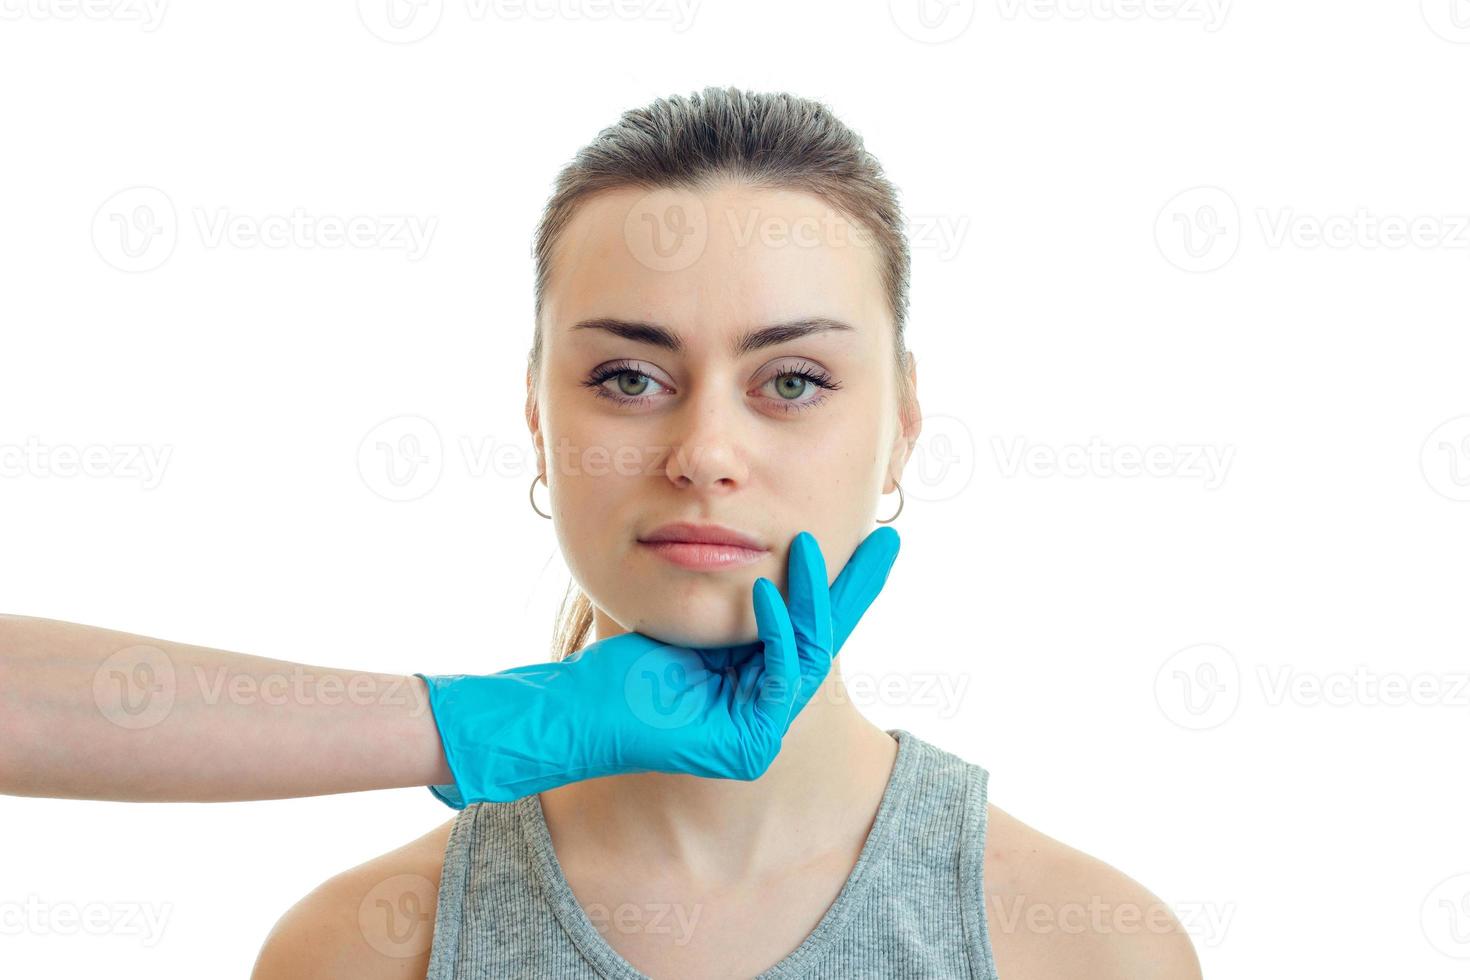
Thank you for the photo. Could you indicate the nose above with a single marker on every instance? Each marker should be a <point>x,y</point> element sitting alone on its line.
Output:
<point>708,445</point>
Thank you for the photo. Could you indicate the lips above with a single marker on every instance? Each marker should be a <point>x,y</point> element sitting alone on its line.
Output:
<point>687,533</point>
<point>704,547</point>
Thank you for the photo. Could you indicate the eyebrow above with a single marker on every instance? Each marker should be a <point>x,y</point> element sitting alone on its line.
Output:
<point>768,336</point>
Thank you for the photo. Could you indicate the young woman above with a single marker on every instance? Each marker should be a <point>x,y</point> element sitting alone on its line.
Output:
<point>719,361</point>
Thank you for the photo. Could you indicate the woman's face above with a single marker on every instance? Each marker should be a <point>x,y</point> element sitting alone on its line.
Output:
<point>697,428</point>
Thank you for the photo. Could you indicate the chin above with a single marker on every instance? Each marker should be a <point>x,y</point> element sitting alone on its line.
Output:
<point>699,621</point>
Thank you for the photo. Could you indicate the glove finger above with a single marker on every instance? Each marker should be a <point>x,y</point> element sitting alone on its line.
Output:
<point>809,601</point>
<point>861,580</point>
<point>780,672</point>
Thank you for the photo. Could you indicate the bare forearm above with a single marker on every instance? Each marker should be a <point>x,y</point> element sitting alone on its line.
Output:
<point>92,713</point>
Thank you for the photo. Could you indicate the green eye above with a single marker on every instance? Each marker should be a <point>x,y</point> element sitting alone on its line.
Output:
<point>794,387</point>
<point>640,382</point>
<point>797,382</point>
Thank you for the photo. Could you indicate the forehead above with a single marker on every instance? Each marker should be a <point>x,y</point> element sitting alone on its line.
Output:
<point>715,260</point>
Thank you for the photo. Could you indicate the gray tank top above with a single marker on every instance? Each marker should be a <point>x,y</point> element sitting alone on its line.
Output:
<point>912,907</point>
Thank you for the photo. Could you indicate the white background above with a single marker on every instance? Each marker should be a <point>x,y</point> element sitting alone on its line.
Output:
<point>1048,159</point>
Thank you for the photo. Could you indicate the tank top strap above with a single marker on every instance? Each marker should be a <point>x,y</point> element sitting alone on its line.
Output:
<point>972,869</point>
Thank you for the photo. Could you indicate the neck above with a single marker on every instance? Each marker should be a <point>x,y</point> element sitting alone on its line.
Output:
<point>820,794</point>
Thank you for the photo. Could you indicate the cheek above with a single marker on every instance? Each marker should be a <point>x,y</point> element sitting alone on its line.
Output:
<point>591,508</point>
<point>598,493</point>
<point>830,487</point>
<point>834,466</point>
<point>586,441</point>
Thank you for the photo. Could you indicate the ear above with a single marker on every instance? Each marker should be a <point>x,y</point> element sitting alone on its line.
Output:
<point>910,424</point>
<point>533,422</point>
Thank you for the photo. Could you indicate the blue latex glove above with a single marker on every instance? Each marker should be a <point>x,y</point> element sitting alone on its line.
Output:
<point>633,704</point>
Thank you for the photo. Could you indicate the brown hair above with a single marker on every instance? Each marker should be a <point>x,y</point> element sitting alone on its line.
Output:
<point>772,140</point>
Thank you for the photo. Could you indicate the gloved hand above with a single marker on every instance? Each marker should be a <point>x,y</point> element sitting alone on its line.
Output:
<point>633,704</point>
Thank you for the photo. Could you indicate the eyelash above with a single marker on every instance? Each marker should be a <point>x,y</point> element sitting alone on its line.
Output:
<point>597,382</point>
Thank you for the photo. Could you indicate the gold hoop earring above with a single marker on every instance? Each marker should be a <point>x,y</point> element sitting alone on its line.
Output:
<point>533,496</point>
<point>900,504</point>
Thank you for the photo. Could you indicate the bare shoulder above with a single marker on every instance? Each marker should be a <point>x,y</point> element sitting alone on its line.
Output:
<point>1055,912</point>
<point>372,921</point>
